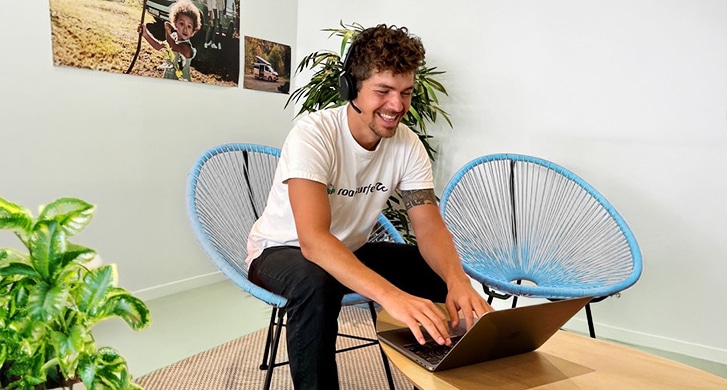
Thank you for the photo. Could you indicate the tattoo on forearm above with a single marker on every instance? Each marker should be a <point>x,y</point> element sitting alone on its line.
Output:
<point>416,197</point>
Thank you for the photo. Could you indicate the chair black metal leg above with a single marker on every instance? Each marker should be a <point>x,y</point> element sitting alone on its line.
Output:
<point>384,359</point>
<point>272,342</point>
<point>591,328</point>
<point>274,350</point>
<point>268,340</point>
<point>491,294</point>
<point>514,297</point>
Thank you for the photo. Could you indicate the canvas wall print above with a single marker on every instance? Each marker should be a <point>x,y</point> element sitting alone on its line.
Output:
<point>267,66</point>
<point>180,40</point>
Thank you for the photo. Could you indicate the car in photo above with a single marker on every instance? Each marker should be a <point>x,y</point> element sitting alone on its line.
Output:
<point>263,70</point>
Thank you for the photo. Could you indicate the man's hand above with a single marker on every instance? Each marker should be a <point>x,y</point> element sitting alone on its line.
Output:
<point>462,297</point>
<point>414,311</point>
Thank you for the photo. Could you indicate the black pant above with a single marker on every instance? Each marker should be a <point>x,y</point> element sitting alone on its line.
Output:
<point>314,301</point>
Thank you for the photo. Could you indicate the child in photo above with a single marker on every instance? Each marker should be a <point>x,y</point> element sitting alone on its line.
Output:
<point>184,22</point>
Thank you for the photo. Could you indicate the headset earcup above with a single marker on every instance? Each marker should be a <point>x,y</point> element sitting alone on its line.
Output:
<point>346,86</point>
<point>346,82</point>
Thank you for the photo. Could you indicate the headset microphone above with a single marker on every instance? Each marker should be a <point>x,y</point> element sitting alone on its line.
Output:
<point>358,110</point>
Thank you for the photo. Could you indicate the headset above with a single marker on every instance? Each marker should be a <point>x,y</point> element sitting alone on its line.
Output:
<point>346,81</point>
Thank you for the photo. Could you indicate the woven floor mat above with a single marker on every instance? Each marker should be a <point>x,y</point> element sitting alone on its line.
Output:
<point>235,364</point>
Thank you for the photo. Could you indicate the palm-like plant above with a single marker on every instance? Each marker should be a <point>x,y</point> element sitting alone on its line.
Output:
<point>322,92</point>
<point>50,300</point>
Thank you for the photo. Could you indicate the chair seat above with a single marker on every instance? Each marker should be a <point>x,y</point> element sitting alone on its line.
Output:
<point>545,281</point>
<point>354,299</point>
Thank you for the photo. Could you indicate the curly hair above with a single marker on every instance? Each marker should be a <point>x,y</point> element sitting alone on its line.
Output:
<point>383,48</point>
<point>187,8</point>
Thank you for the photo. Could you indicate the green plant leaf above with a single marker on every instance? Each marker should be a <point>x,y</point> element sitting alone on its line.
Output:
<point>19,269</point>
<point>75,254</point>
<point>417,118</point>
<point>32,331</point>
<point>15,218</point>
<point>347,36</point>
<point>27,353</point>
<point>72,214</point>
<point>94,289</point>
<point>3,352</point>
<point>69,346</point>
<point>16,299</point>
<point>109,371</point>
<point>10,255</point>
<point>47,243</point>
<point>87,370</point>
<point>130,309</point>
<point>27,381</point>
<point>46,302</point>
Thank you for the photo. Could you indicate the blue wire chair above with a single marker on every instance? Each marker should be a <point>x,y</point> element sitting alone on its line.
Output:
<point>524,226</point>
<point>227,191</point>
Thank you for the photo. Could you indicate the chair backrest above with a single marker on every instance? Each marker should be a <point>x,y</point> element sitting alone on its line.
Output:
<point>227,191</point>
<point>517,217</point>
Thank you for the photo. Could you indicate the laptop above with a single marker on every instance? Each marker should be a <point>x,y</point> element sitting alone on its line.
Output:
<point>495,335</point>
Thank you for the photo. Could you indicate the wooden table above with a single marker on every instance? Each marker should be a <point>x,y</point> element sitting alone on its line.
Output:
<point>566,361</point>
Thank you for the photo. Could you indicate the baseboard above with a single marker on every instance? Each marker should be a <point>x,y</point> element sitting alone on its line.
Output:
<point>627,336</point>
<point>178,286</point>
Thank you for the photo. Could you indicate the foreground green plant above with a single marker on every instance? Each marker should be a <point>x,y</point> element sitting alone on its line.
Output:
<point>50,300</point>
<point>321,92</point>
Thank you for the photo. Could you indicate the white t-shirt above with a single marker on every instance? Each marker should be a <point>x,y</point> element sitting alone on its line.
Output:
<point>321,148</point>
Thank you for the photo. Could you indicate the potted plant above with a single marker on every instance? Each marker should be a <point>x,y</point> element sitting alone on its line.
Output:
<point>50,299</point>
<point>322,92</point>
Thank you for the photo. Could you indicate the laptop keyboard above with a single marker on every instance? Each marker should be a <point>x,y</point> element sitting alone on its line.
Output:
<point>431,351</point>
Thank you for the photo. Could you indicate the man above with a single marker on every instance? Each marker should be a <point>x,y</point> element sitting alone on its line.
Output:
<point>337,169</point>
<point>214,11</point>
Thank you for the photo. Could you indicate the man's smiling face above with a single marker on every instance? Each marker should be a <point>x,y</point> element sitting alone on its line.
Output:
<point>384,99</point>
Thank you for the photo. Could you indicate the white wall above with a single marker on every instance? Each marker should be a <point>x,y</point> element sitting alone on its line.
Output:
<point>125,143</point>
<point>630,95</point>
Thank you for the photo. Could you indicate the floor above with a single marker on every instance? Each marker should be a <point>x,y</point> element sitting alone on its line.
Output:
<point>196,320</point>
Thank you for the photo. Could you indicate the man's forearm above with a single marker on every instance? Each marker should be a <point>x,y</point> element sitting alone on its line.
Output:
<point>438,250</point>
<point>330,254</point>
<point>434,240</point>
